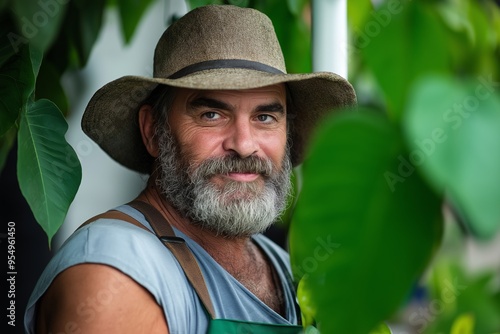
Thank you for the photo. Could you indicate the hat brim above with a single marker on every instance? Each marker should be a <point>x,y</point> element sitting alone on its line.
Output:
<point>111,117</point>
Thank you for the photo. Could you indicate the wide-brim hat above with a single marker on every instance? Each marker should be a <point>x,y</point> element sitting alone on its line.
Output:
<point>215,47</point>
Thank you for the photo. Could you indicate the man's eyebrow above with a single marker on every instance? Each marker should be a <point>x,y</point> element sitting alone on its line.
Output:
<point>271,107</point>
<point>210,103</point>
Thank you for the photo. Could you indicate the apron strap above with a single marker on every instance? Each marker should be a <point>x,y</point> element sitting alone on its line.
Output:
<point>175,244</point>
<point>180,250</point>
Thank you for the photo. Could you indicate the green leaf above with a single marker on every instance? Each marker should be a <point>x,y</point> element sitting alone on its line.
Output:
<point>79,32</point>
<point>36,57</point>
<point>39,21</point>
<point>399,44</point>
<point>307,306</point>
<point>359,241</point>
<point>48,168</point>
<point>17,81</point>
<point>131,12</point>
<point>48,86</point>
<point>472,37</point>
<point>464,324</point>
<point>85,22</point>
<point>311,330</point>
<point>453,130</point>
<point>382,328</point>
<point>358,13</point>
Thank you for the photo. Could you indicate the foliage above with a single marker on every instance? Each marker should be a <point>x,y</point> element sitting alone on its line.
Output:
<point>426,134</point>
<point>357,226</point>
<point>42,149</point>
<point>48,168</point>
<point>455,141</point>
<point>39,41</point>
<point>461,302</point>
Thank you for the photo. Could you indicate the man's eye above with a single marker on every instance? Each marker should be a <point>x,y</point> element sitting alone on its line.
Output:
<point>265,118</point>
<point>210,115</point>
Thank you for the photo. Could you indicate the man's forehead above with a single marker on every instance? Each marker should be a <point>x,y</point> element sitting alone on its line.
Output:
<point>277,91</point>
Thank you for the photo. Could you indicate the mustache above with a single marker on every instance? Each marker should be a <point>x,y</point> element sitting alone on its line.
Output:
<point>234,164</point>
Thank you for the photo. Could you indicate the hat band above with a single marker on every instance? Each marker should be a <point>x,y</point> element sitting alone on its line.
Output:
<point>224,63</point>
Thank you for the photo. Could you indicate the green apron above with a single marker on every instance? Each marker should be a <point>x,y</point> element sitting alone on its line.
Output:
<point>226,326</point>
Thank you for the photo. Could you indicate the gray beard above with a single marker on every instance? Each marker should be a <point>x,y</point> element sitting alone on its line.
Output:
<point>234,209</point>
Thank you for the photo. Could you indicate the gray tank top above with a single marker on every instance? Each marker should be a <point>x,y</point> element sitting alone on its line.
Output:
<point>141,255</point>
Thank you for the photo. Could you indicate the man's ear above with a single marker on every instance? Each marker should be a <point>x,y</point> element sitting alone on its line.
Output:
<point>147,127</point>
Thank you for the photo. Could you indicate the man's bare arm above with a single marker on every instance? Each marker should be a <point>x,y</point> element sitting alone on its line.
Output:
<point>94,298</point>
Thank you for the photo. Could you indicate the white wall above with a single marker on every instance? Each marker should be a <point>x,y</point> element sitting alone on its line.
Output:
<point>105,183</point>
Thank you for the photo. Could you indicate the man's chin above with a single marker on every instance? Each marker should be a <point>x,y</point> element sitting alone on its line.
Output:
<point>229,231</point>
<point>241,191</point>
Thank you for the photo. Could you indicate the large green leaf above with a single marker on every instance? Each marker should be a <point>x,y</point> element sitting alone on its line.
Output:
<point>358,240</point>
<point>131,12</point>
<point>399,44</point>
<point>453,129</point>
<point>17,81</point>
<point>39,21</point>
<point>48,169</point>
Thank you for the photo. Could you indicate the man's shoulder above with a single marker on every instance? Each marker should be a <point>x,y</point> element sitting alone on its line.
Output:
<point>103,294</point>
<point>115,241</point>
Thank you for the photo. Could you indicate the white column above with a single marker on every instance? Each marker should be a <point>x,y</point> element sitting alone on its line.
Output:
<point>329,36</point>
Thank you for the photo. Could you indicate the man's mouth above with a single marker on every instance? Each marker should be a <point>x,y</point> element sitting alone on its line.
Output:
<point>242,176</point>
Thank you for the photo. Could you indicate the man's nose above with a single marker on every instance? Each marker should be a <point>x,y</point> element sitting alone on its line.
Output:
<point>241,139</point>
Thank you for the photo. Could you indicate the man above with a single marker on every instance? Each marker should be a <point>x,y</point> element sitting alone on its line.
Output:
<point>218,128</point>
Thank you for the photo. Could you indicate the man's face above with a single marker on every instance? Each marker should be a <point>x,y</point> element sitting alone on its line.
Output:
<point>224,158</point>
